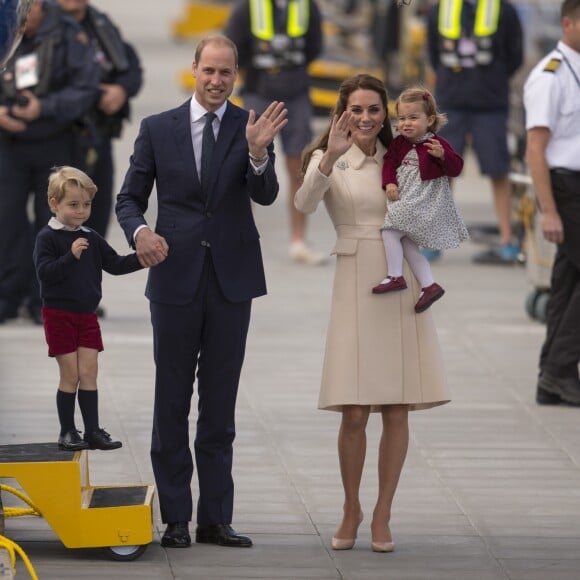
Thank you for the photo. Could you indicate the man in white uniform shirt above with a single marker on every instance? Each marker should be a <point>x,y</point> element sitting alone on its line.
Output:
<point>551,99</point>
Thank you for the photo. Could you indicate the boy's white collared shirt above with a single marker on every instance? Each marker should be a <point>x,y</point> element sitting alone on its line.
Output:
<point>56,225</point>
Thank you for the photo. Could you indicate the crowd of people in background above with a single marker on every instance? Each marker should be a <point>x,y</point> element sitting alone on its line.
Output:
<point>85,101</point>
<point>64,96</point>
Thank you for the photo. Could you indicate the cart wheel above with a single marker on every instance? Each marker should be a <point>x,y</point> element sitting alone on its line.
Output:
<point>125,553</point>
<point>531,300</point>
<point>541,307</point>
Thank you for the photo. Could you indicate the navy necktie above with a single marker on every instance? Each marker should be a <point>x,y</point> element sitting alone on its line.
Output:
<point>207,147</point>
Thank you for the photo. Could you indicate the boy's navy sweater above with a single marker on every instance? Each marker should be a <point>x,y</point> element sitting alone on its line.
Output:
<point>70,284</point>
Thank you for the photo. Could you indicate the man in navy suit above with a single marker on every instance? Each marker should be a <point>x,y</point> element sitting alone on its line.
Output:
<point>207,268</point>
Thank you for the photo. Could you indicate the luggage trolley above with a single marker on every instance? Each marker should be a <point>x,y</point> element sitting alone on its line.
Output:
<point>541,23</point>
<point>539,252</point>
<point>117,518</point>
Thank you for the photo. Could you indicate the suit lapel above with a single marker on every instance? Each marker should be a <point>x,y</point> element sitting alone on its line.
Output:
<point>182,136</point>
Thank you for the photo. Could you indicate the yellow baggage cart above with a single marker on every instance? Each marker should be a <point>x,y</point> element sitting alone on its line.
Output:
<point>56,483</point>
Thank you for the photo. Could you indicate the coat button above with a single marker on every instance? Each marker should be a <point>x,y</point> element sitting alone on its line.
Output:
<point>209,214</point>
<point>205,244</point>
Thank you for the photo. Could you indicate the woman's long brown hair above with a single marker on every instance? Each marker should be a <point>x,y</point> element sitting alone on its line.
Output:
<point>361,81</point>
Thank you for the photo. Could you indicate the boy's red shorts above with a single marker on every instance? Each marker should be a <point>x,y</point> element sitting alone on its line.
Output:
<point>66,331</point>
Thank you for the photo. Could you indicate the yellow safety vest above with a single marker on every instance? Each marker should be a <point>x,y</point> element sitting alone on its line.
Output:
<point>262,18</point>
<point>486,18</point>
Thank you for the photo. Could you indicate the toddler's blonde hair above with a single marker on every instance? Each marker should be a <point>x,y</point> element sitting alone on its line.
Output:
<point>62,178</point>
<point>422,96</point>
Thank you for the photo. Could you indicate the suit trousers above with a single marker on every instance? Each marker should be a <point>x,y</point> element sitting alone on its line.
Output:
<point>560,353</point>
<point>207,335</point>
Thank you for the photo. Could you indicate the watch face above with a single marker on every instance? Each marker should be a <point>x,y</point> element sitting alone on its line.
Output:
<point>13,15</point>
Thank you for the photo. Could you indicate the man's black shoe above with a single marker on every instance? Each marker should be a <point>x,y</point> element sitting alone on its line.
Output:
<point>566,388</point>
<point>72,441</point>
<point>222,535</point>
<point>545,398</point>
<point>176,536</point>
<point>100,439</point>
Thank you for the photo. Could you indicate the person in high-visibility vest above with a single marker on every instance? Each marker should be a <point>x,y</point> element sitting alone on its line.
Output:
<point>474,48</point>
<point>276,41</point>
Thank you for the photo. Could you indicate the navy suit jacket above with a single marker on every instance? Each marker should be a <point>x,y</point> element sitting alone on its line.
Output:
<point>191,222</point>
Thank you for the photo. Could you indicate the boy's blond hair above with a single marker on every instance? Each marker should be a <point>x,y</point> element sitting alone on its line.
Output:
<point>63,177</point>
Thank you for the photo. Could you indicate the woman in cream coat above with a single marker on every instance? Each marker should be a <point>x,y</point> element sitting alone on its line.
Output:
<point>380,355</point>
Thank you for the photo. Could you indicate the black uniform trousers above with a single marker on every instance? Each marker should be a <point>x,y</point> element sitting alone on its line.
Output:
<point>24,170</point>
<point>560,353</point>
<point>102,174</point>
<point>207,335</point>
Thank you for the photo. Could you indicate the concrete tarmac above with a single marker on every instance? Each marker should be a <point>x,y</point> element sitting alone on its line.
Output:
<point>491,486</point>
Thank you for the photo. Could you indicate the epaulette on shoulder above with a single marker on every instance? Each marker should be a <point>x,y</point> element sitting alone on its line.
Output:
<point>553,65</point>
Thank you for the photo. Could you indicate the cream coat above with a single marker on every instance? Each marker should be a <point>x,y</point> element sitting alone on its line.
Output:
<point>378,351</point>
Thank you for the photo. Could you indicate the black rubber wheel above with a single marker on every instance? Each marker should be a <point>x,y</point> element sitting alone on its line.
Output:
<point>125,553</point>
<point>531,300</point>
<point>541,307</point>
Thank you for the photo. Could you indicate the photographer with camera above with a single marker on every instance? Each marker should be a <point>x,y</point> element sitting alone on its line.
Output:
<point>47,85</point>
<point>121,79</point>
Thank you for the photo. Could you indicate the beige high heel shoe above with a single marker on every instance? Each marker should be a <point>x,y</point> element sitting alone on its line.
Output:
<point>345,544</point>
<point>382,546</point>
<point>340,544</point>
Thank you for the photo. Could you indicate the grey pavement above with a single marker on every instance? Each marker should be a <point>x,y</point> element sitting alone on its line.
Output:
<point>491,486</point>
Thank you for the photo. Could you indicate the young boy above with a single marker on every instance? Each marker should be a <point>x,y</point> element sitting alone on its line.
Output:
<point>69,259</point>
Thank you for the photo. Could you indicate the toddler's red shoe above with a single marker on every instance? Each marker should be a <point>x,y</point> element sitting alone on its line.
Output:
<point>393,283</point>
<point>428,295</point>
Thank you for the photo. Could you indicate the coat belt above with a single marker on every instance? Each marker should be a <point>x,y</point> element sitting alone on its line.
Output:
<point>372,232</point>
